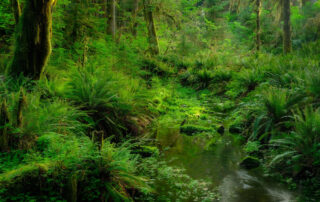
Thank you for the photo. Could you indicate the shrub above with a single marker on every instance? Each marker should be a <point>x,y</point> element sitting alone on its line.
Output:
<point>25,117</point>
<point>157,67</point>
<point>97,93</point>
<point>249,78</point>
<point>221,74</point>
<point>313,82</point>
<point>300,148</point>
<point>73,168</point>
<point>204,79</point>
<point>274,112</point>
<point>173,184</point>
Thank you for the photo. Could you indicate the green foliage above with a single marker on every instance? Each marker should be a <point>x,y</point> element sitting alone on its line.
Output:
<point>204,78</point>
<point>249,78</point>
<point>119,166</point>
<point>95,90</point>
<point>199,79</point>
<point>6,26</point>
<point>109,173</point>
<point>157,67</point>
<point>54,132</point>
<point>274,112</point>
<point>252,146</point>
<point>313,82</point>
<point>299,150</point>
<point>173,184</point>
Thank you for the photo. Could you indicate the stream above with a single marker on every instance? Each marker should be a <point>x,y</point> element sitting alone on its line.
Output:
<point>212,157</point>
<point>221,167</point>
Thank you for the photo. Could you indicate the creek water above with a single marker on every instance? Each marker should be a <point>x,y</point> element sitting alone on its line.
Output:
<point>220,165</point>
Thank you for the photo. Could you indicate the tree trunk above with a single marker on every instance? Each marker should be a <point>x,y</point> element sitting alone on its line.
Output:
<point>111,18</point>
<point>304,2</point>
<point>4,133</point>
<point>33,42</point>
<point>152,34</point>
<point>258,31</point>
<point>16,10</point>
<point>287,47</point>
<point>134,18</point>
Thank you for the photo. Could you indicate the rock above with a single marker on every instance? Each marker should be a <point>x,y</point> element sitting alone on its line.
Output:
<point>191,130</point>
<point>250,162</point>
<point>235,129</point>
<point>221,130</point>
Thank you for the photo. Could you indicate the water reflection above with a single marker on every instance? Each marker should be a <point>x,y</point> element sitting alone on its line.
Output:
<point>221,166</point>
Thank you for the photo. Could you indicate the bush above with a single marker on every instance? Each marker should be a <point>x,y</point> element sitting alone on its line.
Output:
<point>274,112</point>
<point>249,78</point>
<point>173,184</point>
<point>300,149</point>
<point>313,82</point>
<point>73,168</point>
<point>204,78</point>
<point>157,67</point>
<point>97,93</point>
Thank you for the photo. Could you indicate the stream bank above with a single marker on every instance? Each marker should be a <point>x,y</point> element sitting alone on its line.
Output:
<point>194,135</point>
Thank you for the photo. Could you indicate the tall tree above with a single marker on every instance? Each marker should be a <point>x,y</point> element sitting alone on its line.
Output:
<point>152,34</point>
<point>134,17</point>
<point>33,41</point>
<point>16,10</point>
<point>304,2</point>
<point>287,46</point>
<point>111,18</point>
<point>258,27</point>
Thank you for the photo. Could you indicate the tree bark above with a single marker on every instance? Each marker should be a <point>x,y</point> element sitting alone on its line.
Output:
<point>152,34</point>
<point>33,42</point>
<point>134,17</point>
<point>111,18</point>
<point>16,10</point>
<point>304,2</point>
<point>287,46</point>
<point>258,31</point>
<point>4,133</point>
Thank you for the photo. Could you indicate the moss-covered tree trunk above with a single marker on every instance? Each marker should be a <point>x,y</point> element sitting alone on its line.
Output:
<point>152,34</point>
<point>287,47</point>
<point>234,6</point>
<point>134,17</point>
<point>33,41</point>
<point>258,28</point>
<point>4,133</point>
<point>16,10</point>
<point>111,18</point>
<point>304,2</point>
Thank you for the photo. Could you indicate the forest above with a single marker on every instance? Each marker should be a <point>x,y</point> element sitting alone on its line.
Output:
<point>160,100</point>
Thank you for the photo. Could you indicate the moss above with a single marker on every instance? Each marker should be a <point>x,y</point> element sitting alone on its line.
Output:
<point>152,34</point>
<point>4,121</point>
<point>250,162</point>
<point>23,174</point>
<point>33,40</point>
<point>21,106</point>
<point>157,67</point>
<point>16,10</point>
<point>191,130</point>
